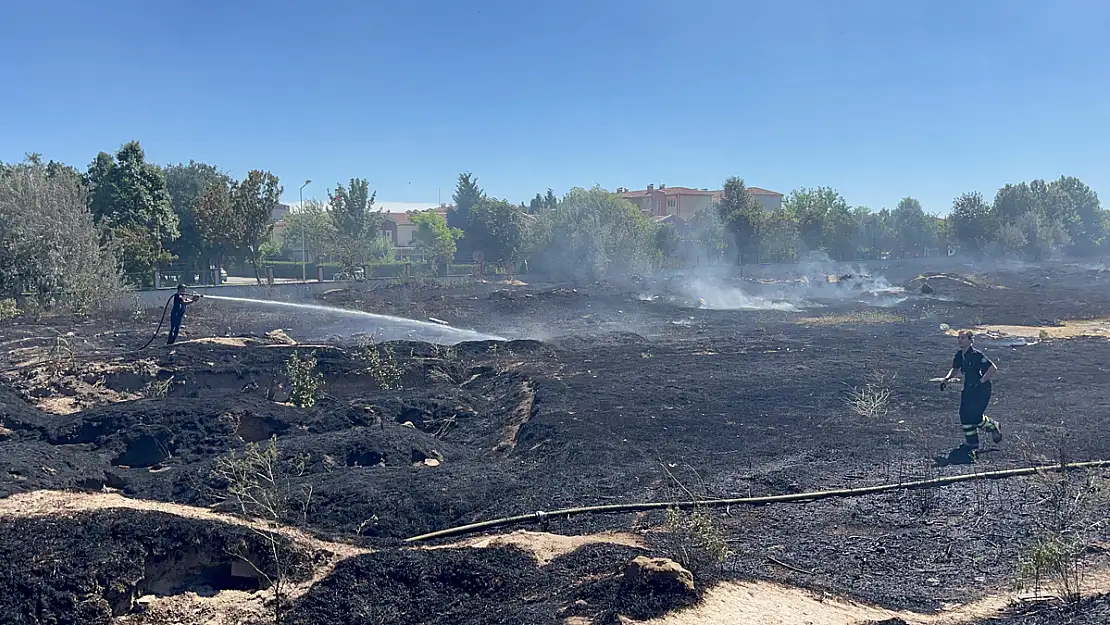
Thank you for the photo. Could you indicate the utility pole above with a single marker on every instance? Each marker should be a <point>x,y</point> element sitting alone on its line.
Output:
<point>304,227</point>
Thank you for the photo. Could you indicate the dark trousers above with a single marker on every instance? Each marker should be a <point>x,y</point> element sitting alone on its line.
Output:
<point>973,403</point>
<point>175,327</point>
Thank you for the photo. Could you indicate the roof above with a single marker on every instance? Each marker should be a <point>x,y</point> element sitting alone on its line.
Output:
<point>688,191</point>
<point>403,219</point>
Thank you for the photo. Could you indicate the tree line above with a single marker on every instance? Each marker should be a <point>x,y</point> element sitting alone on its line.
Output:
<point>68,233</point>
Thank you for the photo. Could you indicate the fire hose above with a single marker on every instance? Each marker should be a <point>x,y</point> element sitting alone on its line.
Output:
<point>753,501</point>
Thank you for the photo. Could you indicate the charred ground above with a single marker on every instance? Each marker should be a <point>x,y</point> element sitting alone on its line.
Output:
<point>607,394</point>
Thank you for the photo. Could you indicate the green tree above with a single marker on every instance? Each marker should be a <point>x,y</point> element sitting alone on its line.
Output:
<point>252,203</point>
<point>840,231</point>
<point>707,233</point>
<point>186,184</point>
<point>1089,228</point>
<point>550,202</point>
<point>779,240</point>
<point>743,217</point>
<point>433,234</point>
<point>496,228</point>
<point>972,221</point>
<point>356,224</point>
<point>592,234</point>
<point>216,222</point>
<point>309,226</point>
<point>916,230</point>
<point>50,245</point>
<point>129,197</point>
<point>467,195</point>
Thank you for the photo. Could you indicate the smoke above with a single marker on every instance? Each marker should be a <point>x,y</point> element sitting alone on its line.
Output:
<point>716,295</point>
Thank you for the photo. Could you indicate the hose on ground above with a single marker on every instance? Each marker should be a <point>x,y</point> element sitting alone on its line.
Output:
<point>754,501</point>
<point>160,322</point>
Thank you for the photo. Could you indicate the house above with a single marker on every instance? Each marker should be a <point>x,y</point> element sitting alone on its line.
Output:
<point>400,229</point>
<point>279,212</point>
<point>685,202</point>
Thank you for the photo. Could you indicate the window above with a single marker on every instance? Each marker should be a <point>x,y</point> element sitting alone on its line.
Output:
<point>672,202</point>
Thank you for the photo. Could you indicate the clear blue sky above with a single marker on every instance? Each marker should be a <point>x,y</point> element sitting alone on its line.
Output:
<point>877,98</point>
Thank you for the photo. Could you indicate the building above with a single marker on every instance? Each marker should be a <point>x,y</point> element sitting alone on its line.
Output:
<point>400,229</point>
<point>686,202</point>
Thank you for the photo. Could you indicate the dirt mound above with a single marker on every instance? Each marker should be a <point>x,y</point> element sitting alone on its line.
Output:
<point>89,567</point>
<point>480,586</point>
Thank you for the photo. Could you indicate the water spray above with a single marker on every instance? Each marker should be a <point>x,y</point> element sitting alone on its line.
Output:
<point>438,328</point>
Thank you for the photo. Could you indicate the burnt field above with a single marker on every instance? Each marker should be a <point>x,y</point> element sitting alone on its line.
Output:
<point>125,473</point>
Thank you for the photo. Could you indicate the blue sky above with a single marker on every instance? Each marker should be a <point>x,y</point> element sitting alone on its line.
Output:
<point>879,99</point>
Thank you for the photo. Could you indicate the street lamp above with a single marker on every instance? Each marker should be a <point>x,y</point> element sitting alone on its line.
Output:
<point>304,226</point>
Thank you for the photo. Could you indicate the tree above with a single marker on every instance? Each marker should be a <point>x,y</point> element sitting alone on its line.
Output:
<point>743,217</point>
<point>356,225</point>
<point>311,226</point>
<point>216,221</point>
<point>129,194</point>
<point>467,194</point>
<point>252,203</point>
<point>915,229</point>
<point>535,206</point>
<point>496,228</point>
<point>592,234</point>
<point>811,209</point>
<point>186,184</point>
<point>840,231</point>
<point>433,234</point>
<point>779,239</point>
<point>550,202</point>
<point>707,233</point>
<point>972,221</point>
<point>1090,225</point>
<point>50,245</point>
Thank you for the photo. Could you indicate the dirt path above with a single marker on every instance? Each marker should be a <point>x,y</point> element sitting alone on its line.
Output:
<point>765,603</point>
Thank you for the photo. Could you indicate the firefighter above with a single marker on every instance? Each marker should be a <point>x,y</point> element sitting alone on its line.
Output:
<point>177,315</point>
<point>977,371</point>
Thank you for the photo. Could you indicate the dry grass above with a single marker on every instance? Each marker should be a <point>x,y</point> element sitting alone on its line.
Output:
<point>873,398</point>
<point>852,318</point>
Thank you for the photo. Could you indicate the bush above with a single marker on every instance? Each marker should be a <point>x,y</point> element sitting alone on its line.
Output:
<point>304,380</point>
<point>8,309</point>
<point>50,246</point>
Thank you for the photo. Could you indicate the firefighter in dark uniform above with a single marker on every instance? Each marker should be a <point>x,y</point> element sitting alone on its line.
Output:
<point>977,371</point>
<point>177,315</point>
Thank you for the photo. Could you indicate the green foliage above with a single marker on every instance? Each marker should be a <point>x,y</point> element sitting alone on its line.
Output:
<point>593,234</point>
<point>128,196</point>
<point>707,233</point>
<point>356,226</point>
<point>216,220</point>
<point>496,228</point>
<point>8,309</point>
<point>433,234</point>
<point>50,245</point>
<point>467,195</point>
<point>252,203</point>
<point>381,364</point>
<point>304,379</point>
<point>743,217</point>
<point>186,185</point>
<point>312,223</point>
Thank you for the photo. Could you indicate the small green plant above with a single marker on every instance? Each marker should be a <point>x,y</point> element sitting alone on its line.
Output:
<point>260,485</point>
<point>304,379</point>
<point>447,367</point>
<point>380,363</point>
<point>1043,335</point>
<point>8,309</point>
<point>695,538</point>
<point>1068,512</point>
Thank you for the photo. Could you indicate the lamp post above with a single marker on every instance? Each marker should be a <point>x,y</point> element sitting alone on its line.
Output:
<point>304,226</point>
